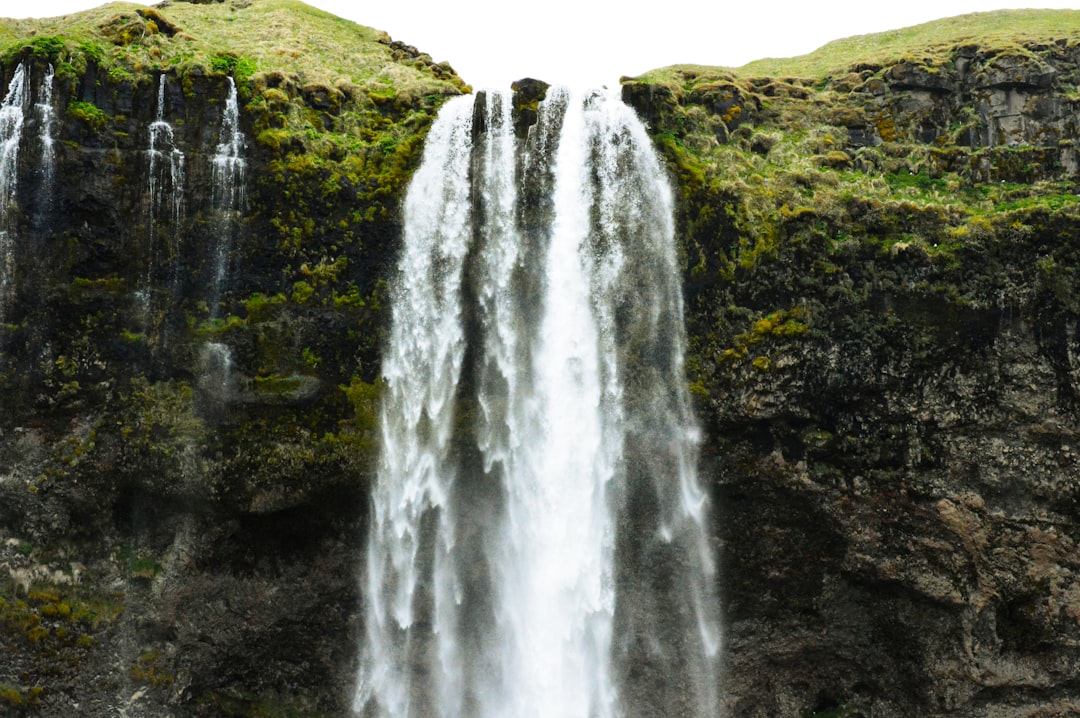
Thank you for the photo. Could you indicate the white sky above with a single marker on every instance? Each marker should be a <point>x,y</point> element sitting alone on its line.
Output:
<point>592,42</point>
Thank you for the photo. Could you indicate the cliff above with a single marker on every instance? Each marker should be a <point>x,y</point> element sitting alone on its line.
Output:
<point>880,273</point>
<point>185,465</point>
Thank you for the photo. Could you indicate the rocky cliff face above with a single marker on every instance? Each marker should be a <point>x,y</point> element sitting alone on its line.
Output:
<point>881,269</point>
<point>881,289</point>
<point>184,467</point>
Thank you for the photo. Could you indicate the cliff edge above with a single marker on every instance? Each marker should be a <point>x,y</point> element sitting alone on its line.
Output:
<point>881,275</point>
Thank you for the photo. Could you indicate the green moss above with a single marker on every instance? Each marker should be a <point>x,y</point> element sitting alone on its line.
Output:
<point>778,324</point>
<point>55,622</point>
<point>776,327</point>
<point>302,292</point>
<point>311,359</point>
<point>275,384</point>
<point>136,564</point>
<point>161,418</point>
<point>11,695</point>
<point>48,47</point>
<point>89,115</point>
<point>365,399</point>
<point>273,138</point>
<point>66,366</point>
<point>228,63</point>
<point>920,180</point>
<point>259,307</point>
<point>149,669</point>
<point>217,327</point>
<point>92,50</point>
<point>108,285</point>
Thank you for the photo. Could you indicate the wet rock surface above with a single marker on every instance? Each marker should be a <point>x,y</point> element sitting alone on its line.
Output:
<point>887,385</point>
<point>891,426</point>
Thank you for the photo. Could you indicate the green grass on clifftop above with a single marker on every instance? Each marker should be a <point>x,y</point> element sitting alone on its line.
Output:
<point>260,35</point>
<point>1006,29</point>
<point>334,115</point>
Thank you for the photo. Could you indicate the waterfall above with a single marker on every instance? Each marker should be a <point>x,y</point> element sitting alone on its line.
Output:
<point>215,371</point>
<point>46,118</point>
<point>537,545</point>
<point>12,114</point>
<point>165,189</point>
<point>228,202</point>
<point>228,189</point>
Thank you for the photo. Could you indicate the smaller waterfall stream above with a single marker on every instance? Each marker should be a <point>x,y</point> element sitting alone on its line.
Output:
<point>45,114</point>
<point>165,189</point>
<point>166,179</point>
<point>229,169</point>
<point>12,115</point>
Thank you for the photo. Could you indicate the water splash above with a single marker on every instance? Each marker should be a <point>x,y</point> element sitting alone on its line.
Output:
<point>12,115</point>
<point>538,463</point>
<point>229,168</point>
<point>215,371</point>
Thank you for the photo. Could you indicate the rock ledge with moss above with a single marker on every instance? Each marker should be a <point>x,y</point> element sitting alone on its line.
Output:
<point>881,257</point>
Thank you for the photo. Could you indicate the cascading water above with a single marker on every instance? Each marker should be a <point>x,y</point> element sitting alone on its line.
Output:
<point>45,114</point>
<point>538,537</point>
<point>229,167</point>
<point>228,202</point>
<point>12,114</point>
<point>165,188</point>
<point>215,371</point>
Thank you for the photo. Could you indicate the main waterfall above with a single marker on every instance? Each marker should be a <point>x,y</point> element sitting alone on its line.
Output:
<point>538,536</point>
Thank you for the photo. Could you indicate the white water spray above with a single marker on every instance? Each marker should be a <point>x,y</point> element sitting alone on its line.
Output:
<point>166,180</point>
<point>537,468</point>
<point>12,115</point>
<point>215,371</point>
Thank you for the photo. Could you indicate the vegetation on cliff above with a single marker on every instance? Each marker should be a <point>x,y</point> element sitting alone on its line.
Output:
<point>931,148</point>
<point>881,272</point>
<point>248,36</point>
<point>197,458</point>
<point>334,114</point>
<point>881,278</point>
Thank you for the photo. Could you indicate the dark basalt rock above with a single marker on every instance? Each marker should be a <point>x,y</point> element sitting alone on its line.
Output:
<point>528,94</point>
<point>214,518</point>
<point>911,76</point>
<point>889,389</point>
<point>891,430</point>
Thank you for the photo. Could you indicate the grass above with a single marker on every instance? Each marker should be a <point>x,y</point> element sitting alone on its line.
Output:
<point>336,111</point>
<point>787,161</point>
<point>260,35</point>
<point>1008,30</point>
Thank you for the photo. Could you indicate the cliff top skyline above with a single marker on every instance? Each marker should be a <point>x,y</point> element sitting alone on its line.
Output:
<point>490,47</point>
